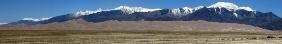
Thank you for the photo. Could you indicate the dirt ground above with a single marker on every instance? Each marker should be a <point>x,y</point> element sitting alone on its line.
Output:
<point>135,37</point>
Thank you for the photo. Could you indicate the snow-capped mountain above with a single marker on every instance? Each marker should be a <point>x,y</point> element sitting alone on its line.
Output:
<point>229,6</point>
<point>219,12</point>
<point>29,21</point>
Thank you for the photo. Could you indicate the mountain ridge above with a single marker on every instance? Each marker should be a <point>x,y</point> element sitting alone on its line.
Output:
<point>224,12</point>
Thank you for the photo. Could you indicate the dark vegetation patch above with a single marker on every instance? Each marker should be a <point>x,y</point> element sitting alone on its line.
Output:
<point>280,37</point>
<point>270,37</point>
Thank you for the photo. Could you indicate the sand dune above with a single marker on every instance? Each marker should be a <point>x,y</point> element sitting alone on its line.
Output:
<point>142,26</point>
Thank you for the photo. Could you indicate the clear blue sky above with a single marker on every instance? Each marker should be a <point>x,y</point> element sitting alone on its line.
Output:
<point>13,10</point>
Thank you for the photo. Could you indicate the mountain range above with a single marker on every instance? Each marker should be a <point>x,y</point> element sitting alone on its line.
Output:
<point>223,12</point>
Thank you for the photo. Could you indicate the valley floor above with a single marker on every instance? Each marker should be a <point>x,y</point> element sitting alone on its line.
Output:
<point>137,37</point>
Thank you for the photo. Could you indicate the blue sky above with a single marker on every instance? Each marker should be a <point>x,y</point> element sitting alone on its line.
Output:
<point>13,10</point>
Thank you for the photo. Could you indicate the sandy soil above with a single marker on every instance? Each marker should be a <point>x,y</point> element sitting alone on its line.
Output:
<point>137,37</point>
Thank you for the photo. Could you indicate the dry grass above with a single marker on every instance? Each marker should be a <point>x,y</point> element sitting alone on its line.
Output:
<point>135,37</point>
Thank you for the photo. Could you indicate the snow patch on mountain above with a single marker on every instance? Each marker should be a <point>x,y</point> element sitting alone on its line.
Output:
<point>128,9</point>
<point>3,23</point>
<point>131,10</point>
<point>235,14</point>
<point>98,10</point>
<point>34,19</point>
<point>247,8</point>
<point>199,7</point>
<point>84,12</point>
<point>185,10</point>
<point>229,6</point>
<point>182,11</point>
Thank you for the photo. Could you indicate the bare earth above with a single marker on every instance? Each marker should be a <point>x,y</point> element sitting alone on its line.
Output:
<point>135,37</point>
